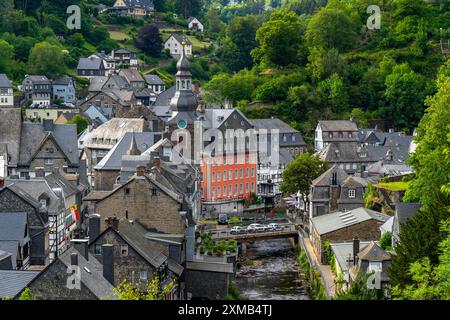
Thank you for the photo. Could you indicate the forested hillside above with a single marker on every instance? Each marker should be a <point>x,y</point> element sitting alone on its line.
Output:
<point>310,60</point>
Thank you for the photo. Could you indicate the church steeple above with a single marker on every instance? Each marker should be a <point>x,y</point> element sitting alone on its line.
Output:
<point>184,99</point>
<point>133,149</point>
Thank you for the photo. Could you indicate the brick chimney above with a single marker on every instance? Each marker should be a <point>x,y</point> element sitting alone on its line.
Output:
<point>2,182</point>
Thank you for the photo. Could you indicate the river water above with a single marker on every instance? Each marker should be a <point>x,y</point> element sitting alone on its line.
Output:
<point>273,274</point>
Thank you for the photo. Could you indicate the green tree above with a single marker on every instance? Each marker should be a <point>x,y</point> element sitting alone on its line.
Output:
<point>405,94</point>
<point>81,122</point>
<point>335,93</point>
<point>331,28</point>
<point>420,234</point>
<point>279,39</point>
<point>213,24</point>
<point>26,295</point>
<point>6,56</point>
<point>239,42</point>
<point>300,172</point>
<point>386,240</point>
<point>47,59</point>
<point>429,282</point>
<point>149,40</point>
<point>153,290</point>
<point>323,63</point>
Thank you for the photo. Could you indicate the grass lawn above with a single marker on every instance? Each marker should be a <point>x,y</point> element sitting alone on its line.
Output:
<point>394,186</point>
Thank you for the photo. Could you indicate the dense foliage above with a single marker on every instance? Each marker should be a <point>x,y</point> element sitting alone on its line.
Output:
<point>342,67</point>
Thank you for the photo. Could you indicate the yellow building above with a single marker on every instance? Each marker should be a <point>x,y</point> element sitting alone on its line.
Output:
<point>52,112</point>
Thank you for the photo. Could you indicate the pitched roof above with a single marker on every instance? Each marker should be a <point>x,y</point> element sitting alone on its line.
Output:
<point>114,129</point>
<point>273,123</point>
<point>37,187</point>
<point>91,274</point>
<point>91,63</point>
<point>131,75</point>
<point>334,221</point>
<point>343,251</point>
<point>34,134</point>
<point>97,83</point>
<point>4,81</point>
<point>344,152</point>
<point>325,178</point>
<point>64,80</point>
<point>37,79</point>
<point>153,79</point>
<point>338,125</point>
<point>163,100</point>
<point>373,252</point>
<point>351,182</point>
<point>12,226</point>
<point>113,159</point>
<point>12,282</point>
<point>180,38</point>
<point>11,247</point>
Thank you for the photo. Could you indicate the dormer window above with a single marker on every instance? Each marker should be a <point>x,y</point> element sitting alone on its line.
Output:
<point>330,134</point>
<point>340,134</point>
<point>43,203</point>
<point>350,135</point>
<point>351,193</point>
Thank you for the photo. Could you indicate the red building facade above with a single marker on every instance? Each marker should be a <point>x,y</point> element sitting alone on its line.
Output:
<point>229,177</point>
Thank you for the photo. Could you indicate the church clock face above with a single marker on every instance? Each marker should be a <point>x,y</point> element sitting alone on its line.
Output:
<point>182,124</point>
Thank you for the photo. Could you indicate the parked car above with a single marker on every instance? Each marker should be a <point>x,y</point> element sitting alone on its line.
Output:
<point>238,230</point>
<point>274,227</point>
<point>256,227</point>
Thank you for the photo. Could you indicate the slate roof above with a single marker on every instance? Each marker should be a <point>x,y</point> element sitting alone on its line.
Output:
<point>102,114</point>
<point>35,188</point>
<point>11,247</point>
<point>131,75</point>
<point>113,129</point>
<point>325,178</point>
<point>138,3</point>
<point>153,79</point>
<point>38,79</point>
<point>351,182</point>
<point>33,136</point>
<point>10,131</point>
<point>180,38</point>
<point>373,252</point>
<point>12,282</point>
<point>344,152</point>
<point>64,80</point>
<point>91,274</point>
<point>12,232</point>
<point>403,211</point>
<point>163,100</point>
<point>97,83</point>
<point>92,63</point>
<point>134,234</point>
<point>343,251</point>
<point>273,123</point>
<point>4,81</point>
<point>338,125</point>
<point>334,221</point>
<point>113,159</point>
<point>56,180</point>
